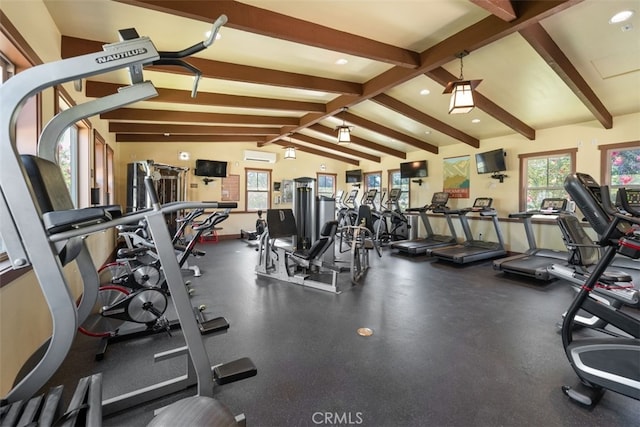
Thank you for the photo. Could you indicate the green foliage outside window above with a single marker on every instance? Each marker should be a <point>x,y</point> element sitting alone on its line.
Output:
<point>545,178</point>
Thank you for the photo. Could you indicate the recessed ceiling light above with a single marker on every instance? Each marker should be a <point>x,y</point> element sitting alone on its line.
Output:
<point>425,92</point>
<point>342,61</point>
<point>475,121</point>
<point>621,16</point>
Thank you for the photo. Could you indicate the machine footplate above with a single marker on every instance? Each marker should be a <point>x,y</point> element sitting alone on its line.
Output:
<point>234,371</point>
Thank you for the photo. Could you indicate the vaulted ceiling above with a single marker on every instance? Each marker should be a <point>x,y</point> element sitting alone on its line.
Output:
<point>287,72</point>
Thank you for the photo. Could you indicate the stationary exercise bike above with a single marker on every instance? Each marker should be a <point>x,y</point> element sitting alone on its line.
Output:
<point>128,297</point>
<point>613,362</point>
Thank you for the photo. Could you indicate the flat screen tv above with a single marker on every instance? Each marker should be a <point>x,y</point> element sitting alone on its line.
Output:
<point>211,168</point>
<point>491,161</point>
<point>417,169</point>
<point>354,176</point>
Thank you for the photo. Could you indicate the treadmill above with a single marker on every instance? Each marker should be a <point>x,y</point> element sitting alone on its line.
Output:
<point>473,250</point>
<point>421,246</point>
<point>535,262</point>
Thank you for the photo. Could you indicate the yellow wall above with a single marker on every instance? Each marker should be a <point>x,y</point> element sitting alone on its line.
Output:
<point>586,137</point>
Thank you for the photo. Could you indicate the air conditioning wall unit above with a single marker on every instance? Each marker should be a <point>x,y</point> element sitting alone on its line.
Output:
<point>260,156</point>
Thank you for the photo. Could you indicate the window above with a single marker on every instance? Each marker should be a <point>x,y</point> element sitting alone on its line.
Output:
<point>110,196</point>
<point>403,183</point>
<point>7,69</point>
<point>258,189</point>
<point>373,180</point>
<point>74,154</point>
<point>542,176</point>
<point>68,160</point>
<point>620,165</point>
<point>99,167</point>
<point>326,184</point>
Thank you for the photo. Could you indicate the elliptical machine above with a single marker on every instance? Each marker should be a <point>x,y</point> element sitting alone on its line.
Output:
<point>610,363</point>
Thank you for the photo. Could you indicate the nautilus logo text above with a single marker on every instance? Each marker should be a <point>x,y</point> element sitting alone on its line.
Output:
<point>120,55</point>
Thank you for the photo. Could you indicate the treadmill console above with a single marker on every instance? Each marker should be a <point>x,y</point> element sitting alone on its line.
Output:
<point>440,198</point>
<point>553,205</point>
<point>482,204</point>
<point>633,198</point>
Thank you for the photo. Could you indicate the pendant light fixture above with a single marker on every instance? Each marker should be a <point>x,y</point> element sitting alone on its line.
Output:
<point>290,151</point>
<point>344,131</point>
<point>461,91</point>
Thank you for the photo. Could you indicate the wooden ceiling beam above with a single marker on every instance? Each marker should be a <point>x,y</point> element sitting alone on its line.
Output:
<point>72,46</point>
<point>320,153</point>
<point>343,148</point>
<point>471,38</point>
<point>503,9</point>
<point>272,24</point>
<point>542,42</point>
<point>146,115</point>
<point>98,90</point>
<point>443,77</point>
<point>391,133</point>
<point>359,141</point>
<point>163,128</point>
<point>156,138</point>
<point>420,117</point>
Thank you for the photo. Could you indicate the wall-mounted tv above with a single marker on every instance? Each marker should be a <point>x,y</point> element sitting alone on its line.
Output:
<point>417,169</point>
<point>212,168</point>
<point>491,161</point>
<point>354,176</point>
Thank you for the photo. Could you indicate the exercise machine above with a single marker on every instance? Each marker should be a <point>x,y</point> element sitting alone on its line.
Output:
<point>43,230</point>
<point>473,249</point>
<point>126,309</point>
<point>348,210</point>
<point>535,262</point>
<point>399,229</point>
<point>610,362</point>
<point>298,266</point>
<point>431,240</point>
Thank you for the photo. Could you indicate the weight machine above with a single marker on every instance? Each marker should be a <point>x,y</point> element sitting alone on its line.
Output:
<point>42,229</point>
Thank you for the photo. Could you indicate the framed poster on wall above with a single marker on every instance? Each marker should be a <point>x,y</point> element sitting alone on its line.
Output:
<point>456,177</point>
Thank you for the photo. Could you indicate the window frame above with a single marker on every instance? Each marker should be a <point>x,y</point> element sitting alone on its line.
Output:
<point>110,178</point>
<point>83,160</point>
<point>333,176</point>
<point>605,170</point>
<point>523,159</point>
<point>28,126</point>
<point>365,178</point>
<point>100,166</point>
<point>247,191</point>
<point>390,174</point>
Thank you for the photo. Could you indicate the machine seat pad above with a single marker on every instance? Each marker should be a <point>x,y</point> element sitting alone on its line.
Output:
<point>197,411</point>
<point>59,221</point>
